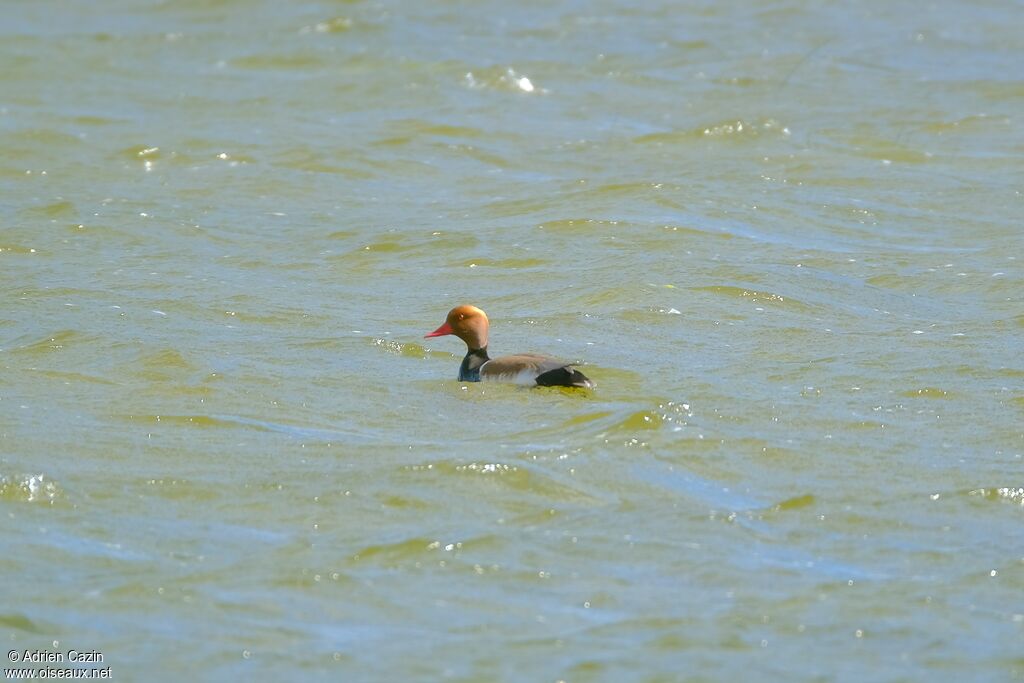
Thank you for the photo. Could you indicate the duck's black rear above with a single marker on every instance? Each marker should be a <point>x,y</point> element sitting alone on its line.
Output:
<point>564,377</point>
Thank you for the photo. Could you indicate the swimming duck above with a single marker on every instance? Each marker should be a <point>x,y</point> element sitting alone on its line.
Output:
<point>470,324</point>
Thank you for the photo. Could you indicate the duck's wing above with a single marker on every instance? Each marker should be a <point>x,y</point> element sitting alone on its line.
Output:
<point>533,369</point>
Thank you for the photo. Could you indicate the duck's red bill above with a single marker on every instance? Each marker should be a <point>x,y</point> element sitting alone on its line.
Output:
<point>441,331</point>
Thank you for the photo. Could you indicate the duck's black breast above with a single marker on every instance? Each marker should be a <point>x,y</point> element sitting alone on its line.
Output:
<point>469,371</point>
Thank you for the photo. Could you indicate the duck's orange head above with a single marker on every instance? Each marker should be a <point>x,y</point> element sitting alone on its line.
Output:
<point>468,323</point>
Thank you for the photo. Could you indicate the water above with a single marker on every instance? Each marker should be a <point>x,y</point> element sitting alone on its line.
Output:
<point>785,238</point>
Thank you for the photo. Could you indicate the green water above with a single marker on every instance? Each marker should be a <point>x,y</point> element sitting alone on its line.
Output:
<point>785,238</point>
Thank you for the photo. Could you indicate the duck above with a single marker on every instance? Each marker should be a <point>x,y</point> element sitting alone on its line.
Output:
<point>470,324</point>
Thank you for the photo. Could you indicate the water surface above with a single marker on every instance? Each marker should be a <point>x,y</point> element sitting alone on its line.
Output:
<point>784,237</point>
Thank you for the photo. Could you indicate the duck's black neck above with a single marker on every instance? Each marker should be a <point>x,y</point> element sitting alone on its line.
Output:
<point>470,369</point>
